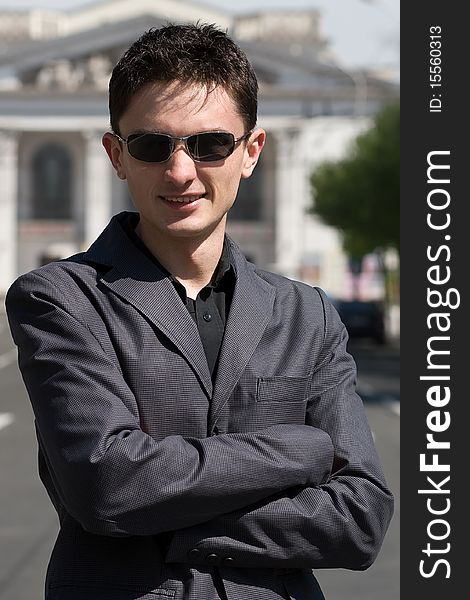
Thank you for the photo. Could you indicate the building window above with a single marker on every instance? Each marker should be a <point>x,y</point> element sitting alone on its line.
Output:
<point>248,205</point>
<point>52,183</point>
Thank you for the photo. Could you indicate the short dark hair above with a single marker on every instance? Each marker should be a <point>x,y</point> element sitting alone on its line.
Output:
<point>198,54</point>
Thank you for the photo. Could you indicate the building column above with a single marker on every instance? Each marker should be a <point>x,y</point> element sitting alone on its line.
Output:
<point>289,203</point>
<point>8,208</point>
<point>97,188</point>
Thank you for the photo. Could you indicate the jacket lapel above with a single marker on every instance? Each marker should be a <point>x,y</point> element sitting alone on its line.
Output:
<point>139,281</point>
<point>250,312</point>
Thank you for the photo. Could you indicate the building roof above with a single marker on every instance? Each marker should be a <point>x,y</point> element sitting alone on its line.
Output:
<point>291,69</point>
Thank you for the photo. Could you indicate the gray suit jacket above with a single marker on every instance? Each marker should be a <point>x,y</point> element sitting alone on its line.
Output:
<point>262,477</point>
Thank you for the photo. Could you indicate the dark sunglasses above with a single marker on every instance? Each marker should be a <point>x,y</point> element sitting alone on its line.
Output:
<point>202,147</point>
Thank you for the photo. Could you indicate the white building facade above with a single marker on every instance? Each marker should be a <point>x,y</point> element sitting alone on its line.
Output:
<point>58,190</point>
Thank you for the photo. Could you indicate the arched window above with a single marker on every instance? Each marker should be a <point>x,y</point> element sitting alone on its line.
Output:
<point>52,183</point>
<point>248,205</point>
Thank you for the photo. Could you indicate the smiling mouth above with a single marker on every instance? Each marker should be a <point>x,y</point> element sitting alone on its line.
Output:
<point>182,199</point>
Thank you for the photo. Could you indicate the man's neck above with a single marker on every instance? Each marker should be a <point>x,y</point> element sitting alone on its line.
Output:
<point>192,261</point>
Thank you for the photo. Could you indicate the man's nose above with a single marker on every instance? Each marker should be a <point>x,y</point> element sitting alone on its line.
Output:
<point>180,168</point>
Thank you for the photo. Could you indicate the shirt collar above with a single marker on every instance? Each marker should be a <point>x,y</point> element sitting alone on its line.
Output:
<point>225,271</point>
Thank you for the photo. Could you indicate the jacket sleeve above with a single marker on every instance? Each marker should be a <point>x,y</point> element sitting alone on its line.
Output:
<point>338,523</point>
<point>110,475</point>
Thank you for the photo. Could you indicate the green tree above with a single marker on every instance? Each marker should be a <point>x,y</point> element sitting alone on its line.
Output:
<point>360,194</point>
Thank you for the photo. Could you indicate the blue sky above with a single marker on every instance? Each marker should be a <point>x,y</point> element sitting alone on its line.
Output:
<point>363,33</point>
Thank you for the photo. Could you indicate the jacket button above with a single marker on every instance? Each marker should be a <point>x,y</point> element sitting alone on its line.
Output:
<point>207,317</point>
<point>194,554</point>
<point>228,561</point>
<point>212,558</point>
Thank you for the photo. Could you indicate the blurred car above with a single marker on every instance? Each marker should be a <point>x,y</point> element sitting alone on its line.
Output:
<point>362,319</point>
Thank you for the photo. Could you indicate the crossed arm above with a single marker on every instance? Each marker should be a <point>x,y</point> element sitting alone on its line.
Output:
<point>337,523</point>
<point>287,495</point>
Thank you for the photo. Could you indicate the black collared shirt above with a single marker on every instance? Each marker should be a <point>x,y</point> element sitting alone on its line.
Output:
<point>211,307</point>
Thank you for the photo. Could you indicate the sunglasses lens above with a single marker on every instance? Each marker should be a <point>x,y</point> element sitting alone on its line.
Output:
<point>203,147</point>
<point>149,147</point>
<point>213,146</point>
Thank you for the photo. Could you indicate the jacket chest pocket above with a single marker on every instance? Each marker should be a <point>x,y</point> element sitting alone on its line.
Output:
<point>285,390</point>
<point>272,401</point>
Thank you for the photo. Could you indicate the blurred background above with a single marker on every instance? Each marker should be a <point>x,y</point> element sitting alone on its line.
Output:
<point>322,206</point>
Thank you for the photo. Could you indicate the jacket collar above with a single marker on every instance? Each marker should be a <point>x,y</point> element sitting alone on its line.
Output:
<point>137,279</point>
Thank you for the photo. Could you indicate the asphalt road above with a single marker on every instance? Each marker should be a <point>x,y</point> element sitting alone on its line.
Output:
<point>28,524</point>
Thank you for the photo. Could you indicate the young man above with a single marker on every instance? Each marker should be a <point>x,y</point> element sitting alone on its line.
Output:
<point>199,432</point>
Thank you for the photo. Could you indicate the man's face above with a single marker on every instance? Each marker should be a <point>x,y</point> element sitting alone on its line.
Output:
<point>210,187</point>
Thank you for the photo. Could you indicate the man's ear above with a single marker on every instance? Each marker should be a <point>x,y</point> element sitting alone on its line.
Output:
<point>253,150</point>
<point>113,149</point>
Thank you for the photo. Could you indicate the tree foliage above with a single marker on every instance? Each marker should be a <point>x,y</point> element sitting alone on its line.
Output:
<point>360,194</point>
